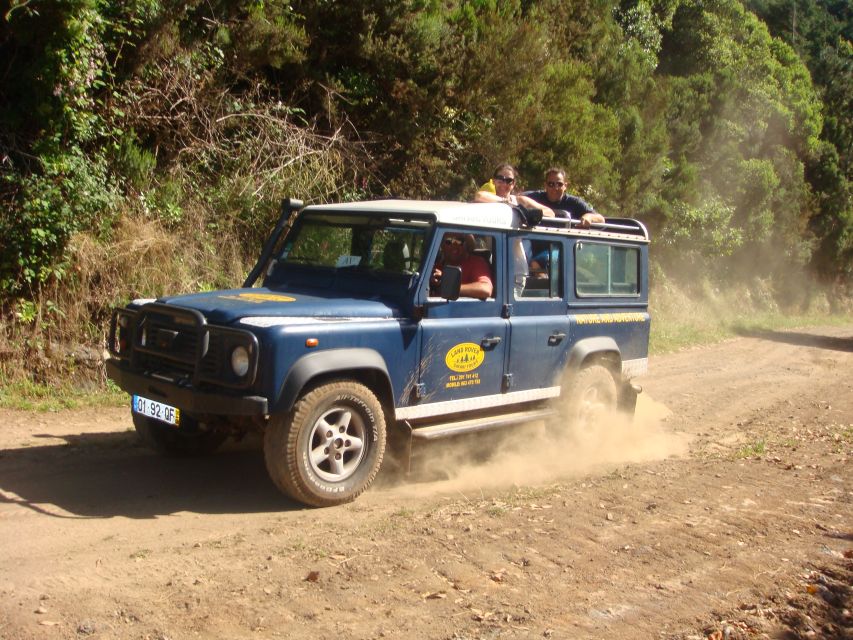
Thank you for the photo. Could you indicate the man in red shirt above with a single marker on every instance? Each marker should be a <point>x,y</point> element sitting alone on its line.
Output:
<point>476,272</point>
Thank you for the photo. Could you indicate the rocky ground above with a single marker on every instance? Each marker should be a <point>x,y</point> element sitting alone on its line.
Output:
<point>724,511</point>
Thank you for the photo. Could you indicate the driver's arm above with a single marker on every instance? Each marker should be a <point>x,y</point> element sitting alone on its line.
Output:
<point>480,283</point>
<point>479,289</point>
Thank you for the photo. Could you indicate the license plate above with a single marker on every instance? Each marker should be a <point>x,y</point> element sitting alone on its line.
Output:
<point>156,410</point>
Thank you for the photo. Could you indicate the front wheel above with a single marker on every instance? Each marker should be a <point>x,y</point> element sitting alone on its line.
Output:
<point>590,400</point>
<point>328,450</point>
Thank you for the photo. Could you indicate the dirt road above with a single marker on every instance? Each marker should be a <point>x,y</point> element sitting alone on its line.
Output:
<point>724,511</point>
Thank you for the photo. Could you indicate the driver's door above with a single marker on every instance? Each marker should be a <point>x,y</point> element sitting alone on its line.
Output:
<point>463,345</point>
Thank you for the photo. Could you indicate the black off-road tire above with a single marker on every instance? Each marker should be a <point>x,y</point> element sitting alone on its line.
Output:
<point>185,441</point>
<point>328,450</point>
<point>590,398</point>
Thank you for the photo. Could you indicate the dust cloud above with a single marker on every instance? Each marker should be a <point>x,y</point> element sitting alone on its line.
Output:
<point>537,453</point>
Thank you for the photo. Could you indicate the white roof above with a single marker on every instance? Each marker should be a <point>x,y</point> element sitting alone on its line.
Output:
<point>475,214</point>
<point>491,215</point>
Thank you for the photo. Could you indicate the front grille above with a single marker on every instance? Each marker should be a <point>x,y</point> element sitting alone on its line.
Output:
<point>214,360</point>
<point>164,366</point>
<point>169,341</point>
<point>177,343</point>
<point>173,342</point>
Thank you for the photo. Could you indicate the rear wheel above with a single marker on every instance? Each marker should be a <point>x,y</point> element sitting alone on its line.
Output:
<point>190,439</point>
<point>590,400</point>
<point>328,450</point>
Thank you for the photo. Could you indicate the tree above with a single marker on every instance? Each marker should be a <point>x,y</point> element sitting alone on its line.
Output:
<point>751,120</point>
<point>821,32</point>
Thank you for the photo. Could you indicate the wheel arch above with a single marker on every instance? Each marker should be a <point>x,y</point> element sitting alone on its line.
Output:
<point>601,350</point>
<point>362,365</point>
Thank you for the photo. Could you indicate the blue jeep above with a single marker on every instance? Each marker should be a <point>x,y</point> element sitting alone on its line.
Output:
<point>348,344</point>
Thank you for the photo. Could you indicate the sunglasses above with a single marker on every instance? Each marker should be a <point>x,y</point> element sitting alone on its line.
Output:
<point>504,179</point>
<point>453,241</point>
<point>556,185</point>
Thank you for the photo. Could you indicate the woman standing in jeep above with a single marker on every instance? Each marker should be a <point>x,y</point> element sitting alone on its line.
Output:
<point>499,189</point>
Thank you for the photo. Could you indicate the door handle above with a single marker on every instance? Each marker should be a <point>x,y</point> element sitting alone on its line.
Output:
<point>489,342</point>
<point>556,338</point>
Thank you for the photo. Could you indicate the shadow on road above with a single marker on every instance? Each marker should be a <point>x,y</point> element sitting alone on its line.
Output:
<point>103,475</point>
<point>799,339</point>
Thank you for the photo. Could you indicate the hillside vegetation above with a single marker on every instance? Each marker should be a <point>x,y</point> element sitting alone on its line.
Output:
<point>145,144</point>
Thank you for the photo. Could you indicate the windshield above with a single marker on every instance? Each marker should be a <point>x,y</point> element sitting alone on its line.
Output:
<point>342,241</point>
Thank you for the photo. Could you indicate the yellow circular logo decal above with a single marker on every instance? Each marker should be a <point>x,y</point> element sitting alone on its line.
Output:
<point>465,356</point>
<point>265,297</point>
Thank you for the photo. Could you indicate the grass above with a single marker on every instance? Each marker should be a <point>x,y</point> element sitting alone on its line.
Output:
<point>669,333</point>
<point>668,336</point>
<point>843,440</point>
<point>403,512</point>
<point>25,395</point>
<point>680,320</point>
<point>752,450</point>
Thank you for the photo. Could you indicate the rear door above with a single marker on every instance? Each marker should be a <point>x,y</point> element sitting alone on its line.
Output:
<point>610,298</point>
<point>539,324</point>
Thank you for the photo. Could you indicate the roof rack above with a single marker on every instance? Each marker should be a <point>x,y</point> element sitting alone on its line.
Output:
<point>627,226</point>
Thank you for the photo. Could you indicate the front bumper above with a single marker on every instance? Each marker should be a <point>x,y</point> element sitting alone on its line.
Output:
<point>184,397</point>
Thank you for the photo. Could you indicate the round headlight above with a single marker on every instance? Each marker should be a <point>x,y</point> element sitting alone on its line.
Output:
<point>240,361</point>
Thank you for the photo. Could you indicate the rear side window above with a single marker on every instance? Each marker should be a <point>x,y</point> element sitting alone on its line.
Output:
<point>606,270</point>
<point>537,268</point>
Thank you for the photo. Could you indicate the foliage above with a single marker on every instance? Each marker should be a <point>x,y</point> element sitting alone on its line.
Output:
<point>725,126</point>
<point>746,119</point>
<point>707,228</point>
<point>821,33</point>
<point>51,185</point>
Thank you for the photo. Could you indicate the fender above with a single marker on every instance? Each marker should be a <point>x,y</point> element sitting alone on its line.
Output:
<point>323,362</point>
<point>589,346</point>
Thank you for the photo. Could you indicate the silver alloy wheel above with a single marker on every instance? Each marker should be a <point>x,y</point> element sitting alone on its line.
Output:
<point>328,449</point>
<point>594,405</point>
<point>590,399</point>
<point>336,444</point>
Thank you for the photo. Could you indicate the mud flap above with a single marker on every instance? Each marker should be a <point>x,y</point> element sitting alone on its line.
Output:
<point>400,446</point>
<point>628,397</point>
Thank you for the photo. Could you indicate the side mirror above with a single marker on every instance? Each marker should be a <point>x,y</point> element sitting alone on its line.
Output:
<point>451,281</point>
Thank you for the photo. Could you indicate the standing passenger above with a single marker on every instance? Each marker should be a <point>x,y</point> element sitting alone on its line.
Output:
<point>554,196</point>
<point>499,189</point>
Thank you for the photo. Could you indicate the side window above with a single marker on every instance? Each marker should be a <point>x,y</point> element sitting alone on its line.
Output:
<point>537,268</point>
<point>475,254</point>
<point>606,270</point>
